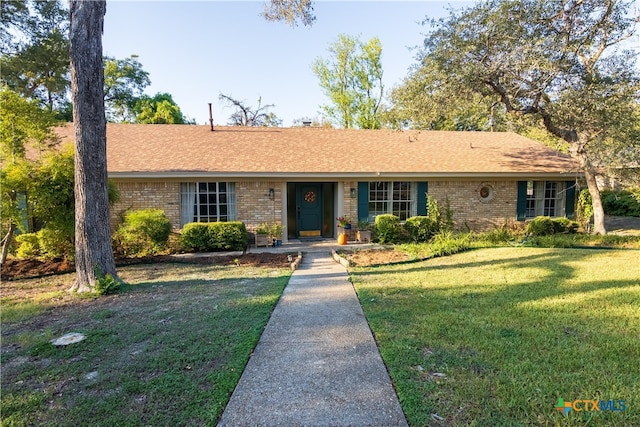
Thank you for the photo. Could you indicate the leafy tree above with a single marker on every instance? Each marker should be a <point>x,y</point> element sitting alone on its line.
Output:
<point>290,11</point>
<point>352,79</point>
<point>35,61</point>
<point>161,109</point>
<point>558,62</point>
<point>124,84</point>
<point>23,123</point>
<point>426,100</point>
<point>246,115</point>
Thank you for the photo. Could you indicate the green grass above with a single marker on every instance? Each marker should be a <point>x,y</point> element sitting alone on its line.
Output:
<point>493,337</point>
<point>167,350</point>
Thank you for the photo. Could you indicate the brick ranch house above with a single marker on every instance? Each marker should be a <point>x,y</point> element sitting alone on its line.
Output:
<point>305,177</point>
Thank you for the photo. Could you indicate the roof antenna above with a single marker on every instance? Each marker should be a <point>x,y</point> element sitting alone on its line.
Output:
<point>210,117</point>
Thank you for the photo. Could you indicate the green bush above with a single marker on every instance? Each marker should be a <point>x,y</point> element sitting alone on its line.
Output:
<point>421,228</point>
<point>214,236</point>
<point>195,237</point>
<point>620,203</point>
<point>388,228</point>
<point>229,236</point>
<point>143,232</point>
<point>498,235</point>
<point>28,245</point>
<point>448,243</point>
<point>46,243</point>
<point>565,225</point>
<point>55,243</point>
<point>584,208</point>
<point>545,226</point>
<point>540,226</point>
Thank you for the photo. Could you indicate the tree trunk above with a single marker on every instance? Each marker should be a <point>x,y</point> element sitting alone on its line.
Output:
<point>94,254</point>
<point>592,185</point>
<point>6,242</point>
<point>598,210</point>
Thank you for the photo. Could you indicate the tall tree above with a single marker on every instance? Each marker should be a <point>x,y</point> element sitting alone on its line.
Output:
<point>35,61</point>
<point>352,79</point>
<point>246,115</point>
<point>159,109</point>
<point>94,254</point>
<point>559,62</point>
<point>124,84</point>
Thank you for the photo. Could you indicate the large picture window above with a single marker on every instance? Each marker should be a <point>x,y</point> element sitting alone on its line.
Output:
<point>207,202</point>
<point>545,198</point>
<point>397,198</point>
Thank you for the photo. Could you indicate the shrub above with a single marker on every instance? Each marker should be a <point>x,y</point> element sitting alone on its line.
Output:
<point>28,245</point>
<point>214,236</point>
<point>143,232</point>
<point>388,228</point>
<point>230,236</point>
<point>540,226</point>
<point>584,208</point>
<point>565,225</point>
<point>195,237</point>
<point>498,235</point>
<point>421,228</point>
<point>55,243</point>
<point>46,243</point>
<point>620,203</point>
<point>448,243</point>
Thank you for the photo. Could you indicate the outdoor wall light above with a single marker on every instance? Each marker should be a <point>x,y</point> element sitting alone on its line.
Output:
<point>272,194</point>
<point>352,192</point>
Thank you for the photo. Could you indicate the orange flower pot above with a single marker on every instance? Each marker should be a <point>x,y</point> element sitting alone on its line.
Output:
<point>342,239</point>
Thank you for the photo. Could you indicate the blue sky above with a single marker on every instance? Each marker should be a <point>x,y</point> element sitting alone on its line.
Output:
<point>195,50</point>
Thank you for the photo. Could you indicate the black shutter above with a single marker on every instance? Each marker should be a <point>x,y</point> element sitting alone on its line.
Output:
<point>570,202</point>
<point>423,187</point>
<point>521,204</point>
<point>363,201</point>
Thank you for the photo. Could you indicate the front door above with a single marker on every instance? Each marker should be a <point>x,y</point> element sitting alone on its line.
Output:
<point>309,210</point>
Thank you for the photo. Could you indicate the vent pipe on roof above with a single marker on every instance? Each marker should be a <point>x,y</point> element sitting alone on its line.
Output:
<point>306,123</point>
<point>210,117</point>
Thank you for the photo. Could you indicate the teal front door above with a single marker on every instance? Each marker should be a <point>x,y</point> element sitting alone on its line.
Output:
<point>309,210</point>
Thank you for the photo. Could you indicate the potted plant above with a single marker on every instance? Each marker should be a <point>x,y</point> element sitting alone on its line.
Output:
<point>344,222</point>
<point>363,235</point>
<point>262,235</point>
<point>275,232</point>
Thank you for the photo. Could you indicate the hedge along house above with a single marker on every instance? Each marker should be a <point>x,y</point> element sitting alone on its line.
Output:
<point>305,177</point>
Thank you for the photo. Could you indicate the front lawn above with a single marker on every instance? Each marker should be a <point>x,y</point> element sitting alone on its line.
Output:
<point>167,350</point>
<point>494,337</point>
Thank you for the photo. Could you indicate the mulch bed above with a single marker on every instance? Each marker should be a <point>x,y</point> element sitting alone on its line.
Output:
<point>13,269</point>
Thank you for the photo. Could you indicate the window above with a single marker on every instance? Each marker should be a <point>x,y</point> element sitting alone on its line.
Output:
<point>207,202</point>
<point>545,198</point>
<point>396,198</point>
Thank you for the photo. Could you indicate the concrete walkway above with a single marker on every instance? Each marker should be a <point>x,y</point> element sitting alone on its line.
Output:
<point>316,363</point>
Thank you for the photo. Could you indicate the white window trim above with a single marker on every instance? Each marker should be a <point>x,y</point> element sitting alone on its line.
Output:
<point>189,198</point>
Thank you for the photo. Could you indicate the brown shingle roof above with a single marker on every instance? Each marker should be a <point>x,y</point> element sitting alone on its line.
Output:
<point>184,150</point>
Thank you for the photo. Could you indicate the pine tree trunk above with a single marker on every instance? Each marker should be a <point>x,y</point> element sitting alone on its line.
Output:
<point>94,254</point>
